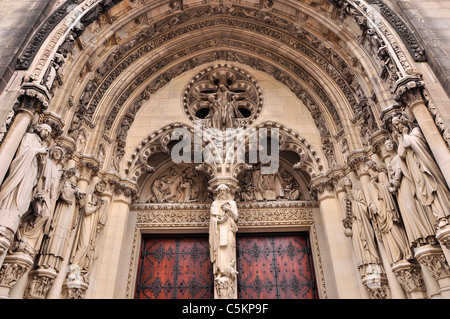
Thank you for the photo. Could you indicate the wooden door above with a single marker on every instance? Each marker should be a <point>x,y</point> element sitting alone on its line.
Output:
<point>175,268</point>
<point>275,266</point>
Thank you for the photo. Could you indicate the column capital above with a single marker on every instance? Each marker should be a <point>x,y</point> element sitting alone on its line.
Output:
<point>409,91</point>
<point>356,160</point>
<point>88,167</point>
<point>33,97</point>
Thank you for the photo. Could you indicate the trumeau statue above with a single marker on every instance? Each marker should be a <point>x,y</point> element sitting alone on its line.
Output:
<point>430,185</point>
<point>17,191</point>
<point>222,242</point>
<point>417,223</point>
<point>385,216</point>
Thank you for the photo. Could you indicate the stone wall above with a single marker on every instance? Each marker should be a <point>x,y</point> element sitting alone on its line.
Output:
<point>430,19</point>
<point>18,21</point>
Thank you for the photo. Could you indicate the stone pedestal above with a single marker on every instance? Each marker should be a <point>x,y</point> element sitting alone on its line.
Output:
<point>410,277</point>
<point>74,289</point>
<point>377,286</point>
<point>433,258</point>
<point>13,268</point>
<point>40,282</point>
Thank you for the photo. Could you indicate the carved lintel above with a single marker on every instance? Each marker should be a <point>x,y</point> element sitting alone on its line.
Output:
<point>409,91</point>
<point>432,257</point>
<point>41,280</point>
<point>410,276</point>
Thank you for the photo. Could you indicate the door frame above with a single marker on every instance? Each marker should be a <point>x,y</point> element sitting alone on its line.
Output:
<point>255,217</point>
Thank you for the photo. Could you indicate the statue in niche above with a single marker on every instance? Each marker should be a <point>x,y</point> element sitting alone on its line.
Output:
<point>431,187</point>
<point>16,192</point>
<point>55,245</point>
<point>175,187</point>
<point>87,93</point>
<point>223,108</point>
<point>363,236</point>
<point>385,216</point>
<point>36,222</point>
<point>222,241</point>
<point>417,224</point>
<point>93,216</point>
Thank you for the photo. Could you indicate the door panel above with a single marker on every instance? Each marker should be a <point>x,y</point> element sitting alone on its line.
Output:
<point>275,267</point>
<point>175,268</point>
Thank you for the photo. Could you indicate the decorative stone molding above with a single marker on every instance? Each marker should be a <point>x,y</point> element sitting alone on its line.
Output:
<point>26,57</point>
<point>407,35</point>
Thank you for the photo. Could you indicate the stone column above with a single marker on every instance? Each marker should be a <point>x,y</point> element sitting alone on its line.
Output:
<point>409,91</point>
<point>33,98</point>
<point>432,257</point>
<point>340,248</point>
<point>106,267</point>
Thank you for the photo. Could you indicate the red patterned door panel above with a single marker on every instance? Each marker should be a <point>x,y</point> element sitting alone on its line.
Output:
<point>175,268</point>
<point>274,266</point>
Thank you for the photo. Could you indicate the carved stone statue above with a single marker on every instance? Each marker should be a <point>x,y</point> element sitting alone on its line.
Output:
<point>36,222</point>
<point>417,224</point>
<point>222,241</point>
<point>16,192</point>
<point>430,185</point>
<point>223,108</point>
<point>94,217</point>
<point>385,216</point>
<point>53,251</point>
<point>363,236</point>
